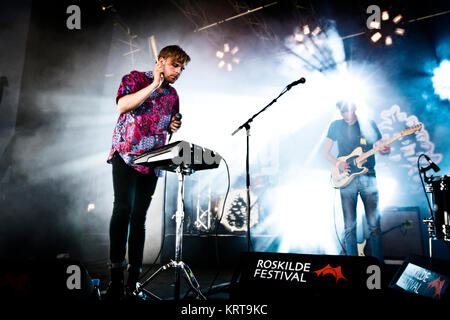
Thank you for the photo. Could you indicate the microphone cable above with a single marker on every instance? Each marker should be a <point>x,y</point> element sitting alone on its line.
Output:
<point>217,229</point>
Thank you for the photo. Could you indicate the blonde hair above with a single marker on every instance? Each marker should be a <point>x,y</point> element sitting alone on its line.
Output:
<point>176,53</point>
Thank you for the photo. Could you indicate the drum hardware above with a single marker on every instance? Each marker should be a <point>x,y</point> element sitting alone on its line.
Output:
<point>203,217</point>
<point>438,224</point>
<point>446,226</point>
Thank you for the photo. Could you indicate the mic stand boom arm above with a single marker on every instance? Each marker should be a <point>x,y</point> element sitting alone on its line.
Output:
<point>246,125</point>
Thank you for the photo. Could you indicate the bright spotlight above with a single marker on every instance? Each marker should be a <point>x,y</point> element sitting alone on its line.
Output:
<point>387,29</point>
<point>375,37</point>
<point>441,80</point>
<point>306,30</point>
<point>293,204</point>
<point>375,25</point>
<point>298,37</point>
<point>352,84</point>
<point>387,188</point>
<point>388,40</point>
<point>227,56</point>
<point>219,54</point>
<point>400,31</point>
<point>316,31</point>
<point>397,19</point>
<point>91,207</point>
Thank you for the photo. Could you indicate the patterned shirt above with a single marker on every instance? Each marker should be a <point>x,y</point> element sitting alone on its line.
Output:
<point>145,127</point>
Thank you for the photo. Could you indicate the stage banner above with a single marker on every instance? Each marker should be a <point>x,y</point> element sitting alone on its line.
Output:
<point>284,275</point>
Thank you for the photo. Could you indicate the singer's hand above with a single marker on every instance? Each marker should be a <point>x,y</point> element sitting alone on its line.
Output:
<point>158,71</point>
<point>174,125</point>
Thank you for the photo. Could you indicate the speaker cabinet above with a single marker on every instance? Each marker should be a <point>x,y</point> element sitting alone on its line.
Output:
<point>402,232</point>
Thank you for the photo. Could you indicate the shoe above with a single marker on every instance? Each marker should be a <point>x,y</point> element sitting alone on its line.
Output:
<point>115,291</point>
<point>130,296</point>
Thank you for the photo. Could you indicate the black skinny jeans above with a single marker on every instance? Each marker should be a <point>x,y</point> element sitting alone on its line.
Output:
<point>132,196</point>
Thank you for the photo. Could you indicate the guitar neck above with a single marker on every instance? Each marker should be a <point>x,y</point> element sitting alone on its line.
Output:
<point>374,150</point>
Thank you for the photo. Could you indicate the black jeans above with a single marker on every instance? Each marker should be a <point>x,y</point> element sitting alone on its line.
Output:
<point>133,192</point>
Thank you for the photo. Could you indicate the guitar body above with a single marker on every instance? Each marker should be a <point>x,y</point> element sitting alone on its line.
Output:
<point>341,179</point>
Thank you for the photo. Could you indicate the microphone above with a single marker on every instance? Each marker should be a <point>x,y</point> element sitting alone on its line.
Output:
<point>301,80</point>
<point>178,117</point>
<point>432,164</point>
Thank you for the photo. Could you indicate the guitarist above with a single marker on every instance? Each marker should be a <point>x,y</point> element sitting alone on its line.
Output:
<point>351,132</point>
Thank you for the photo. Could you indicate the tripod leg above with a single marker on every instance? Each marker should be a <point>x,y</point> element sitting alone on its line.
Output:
<point>177,283</point>
<point>191,280</point>
<point>140,286</point>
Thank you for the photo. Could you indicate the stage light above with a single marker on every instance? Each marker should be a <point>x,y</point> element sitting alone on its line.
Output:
<point>375,37</point>
<point>388,40</point>
<point>306,30</point>
<point>219,54</point>
<point>298,37</point>
<point>400,31</point>
<point>375,24</point>
<point>387,29</point>
<point>91,207</point>
<point>291,207</point>
<point>397,19</point>
<point>316,31</point>
<point>441,80</point>
<point>227,56</point>
<point>386,188</point>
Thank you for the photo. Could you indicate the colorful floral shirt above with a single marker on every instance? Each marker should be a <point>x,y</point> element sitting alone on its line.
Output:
<point>145,127</point>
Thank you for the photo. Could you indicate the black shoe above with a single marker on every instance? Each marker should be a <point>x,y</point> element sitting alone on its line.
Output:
<point>131,296</point>
<point>115,291</point>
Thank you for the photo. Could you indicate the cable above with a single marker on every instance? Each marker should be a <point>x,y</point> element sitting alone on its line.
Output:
<point>217,228</point>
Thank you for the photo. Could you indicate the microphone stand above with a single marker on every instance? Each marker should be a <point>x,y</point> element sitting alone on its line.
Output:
<point>246,125</point>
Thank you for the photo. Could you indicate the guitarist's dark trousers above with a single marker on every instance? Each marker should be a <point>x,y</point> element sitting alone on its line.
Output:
<point>366,187</point>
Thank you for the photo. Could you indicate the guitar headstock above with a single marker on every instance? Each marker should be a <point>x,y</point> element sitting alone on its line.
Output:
<point>411,130</point>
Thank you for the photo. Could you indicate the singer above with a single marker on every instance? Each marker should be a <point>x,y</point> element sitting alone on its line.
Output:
<point>147,104</point>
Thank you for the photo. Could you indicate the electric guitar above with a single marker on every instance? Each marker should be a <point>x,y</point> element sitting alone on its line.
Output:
<point>357,158</point>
